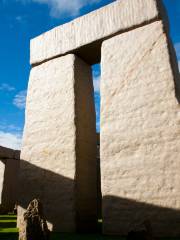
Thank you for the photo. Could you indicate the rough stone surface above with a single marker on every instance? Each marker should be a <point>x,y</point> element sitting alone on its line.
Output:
<point>140,132</point>
<point>105,22</point>
<point>59,147</point>
<point>35,225</point>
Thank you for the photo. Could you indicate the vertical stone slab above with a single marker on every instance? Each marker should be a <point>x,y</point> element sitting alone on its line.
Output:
<point>2,169</point>
<point>10,185</point>
<point>140,132</point>
<point>86,148</point>
<point>58,150</point>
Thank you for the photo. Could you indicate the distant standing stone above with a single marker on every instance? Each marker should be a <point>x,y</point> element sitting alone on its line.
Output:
<point>35,226</point>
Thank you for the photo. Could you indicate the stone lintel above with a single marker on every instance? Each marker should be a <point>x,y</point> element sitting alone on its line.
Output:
<point>7,153</point>
<point>84,36</point>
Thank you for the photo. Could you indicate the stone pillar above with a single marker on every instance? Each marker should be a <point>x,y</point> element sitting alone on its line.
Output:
<point>10,186</point>
<point>9,167</point>
<point>59,144</point>
<point>2,169</point>
<point>140,127</point>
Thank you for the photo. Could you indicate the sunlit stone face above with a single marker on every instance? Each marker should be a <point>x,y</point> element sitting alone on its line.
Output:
<point>2,169</point>
<point>58,157</point>
<point>139,132</point>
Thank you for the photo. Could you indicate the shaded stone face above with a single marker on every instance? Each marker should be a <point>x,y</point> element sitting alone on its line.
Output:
<point>139,128</point>
<point>59,144</point>
<point>9,167</point>
<point>34,225</point>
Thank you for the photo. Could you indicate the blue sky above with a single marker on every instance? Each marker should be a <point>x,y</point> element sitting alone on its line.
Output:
<point>21,20</point>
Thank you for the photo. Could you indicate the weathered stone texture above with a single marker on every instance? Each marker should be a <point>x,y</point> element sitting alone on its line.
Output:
<point>140,133</point>
<point>35,225</point>
<point>98,25</point>
<point>59,106</point>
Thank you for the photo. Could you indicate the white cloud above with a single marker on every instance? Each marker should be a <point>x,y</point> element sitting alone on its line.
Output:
<point>20,99</point>
<point>96,83</point>
<point>9,127</point>
<point>10,140</point>
<point>6,87</point>
<point>61,7</point>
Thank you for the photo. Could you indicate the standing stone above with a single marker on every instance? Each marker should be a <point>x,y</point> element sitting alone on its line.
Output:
<point>10,185</point>
<point>140,129</point>
<point>9,167</point>
<point>35,225</point>
<point>2,169</point>
<point>59,144</point>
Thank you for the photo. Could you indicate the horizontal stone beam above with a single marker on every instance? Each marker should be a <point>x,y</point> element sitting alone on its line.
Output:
<point>7,153</point>
<point>90,30</point>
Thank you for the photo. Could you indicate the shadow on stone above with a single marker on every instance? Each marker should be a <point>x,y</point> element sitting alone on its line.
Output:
<point>141,232</point>
<point>53,189</point>
<point>119,214</point>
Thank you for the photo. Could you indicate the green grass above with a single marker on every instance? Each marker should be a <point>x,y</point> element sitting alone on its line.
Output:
<point>8,231</point>
<point>68,236</point>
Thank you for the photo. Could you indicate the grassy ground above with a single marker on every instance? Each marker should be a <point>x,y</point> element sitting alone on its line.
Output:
<point>8,231</point>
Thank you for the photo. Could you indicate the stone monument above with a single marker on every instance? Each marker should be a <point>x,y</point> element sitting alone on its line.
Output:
<point>139,138</point>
